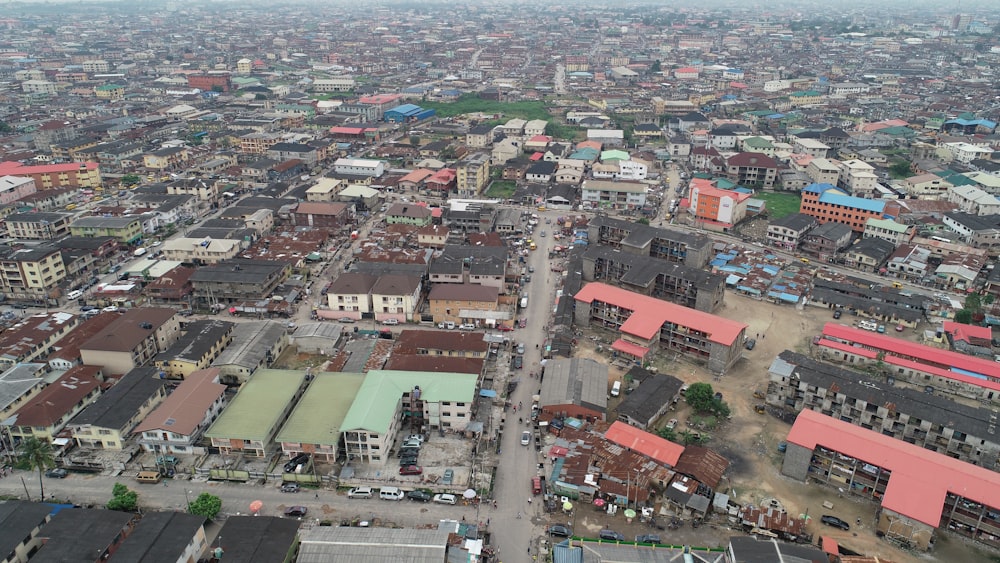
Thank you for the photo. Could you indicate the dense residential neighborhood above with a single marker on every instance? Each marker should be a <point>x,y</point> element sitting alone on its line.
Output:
<point>435,282</point>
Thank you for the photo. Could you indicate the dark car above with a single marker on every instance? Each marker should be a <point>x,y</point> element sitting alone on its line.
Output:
<point>518,362</point>
<point>422,496</point>
<point>750,343</point>
<point>290,487</point>
<point>57,473</point>
<point>611,535</point>
<point>296,461</point>
<point>296,511</point>
<point>561,531</point>
<point>409,452</point>
<point>411,470</point>
<point>835,522</point>
<point>837,314</point>
<point>648,538</point>
<point>409,460</point>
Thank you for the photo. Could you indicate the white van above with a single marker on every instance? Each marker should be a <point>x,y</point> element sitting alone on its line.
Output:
<point>390,493</point>
<point>616,389</point>
<point>75,294</point>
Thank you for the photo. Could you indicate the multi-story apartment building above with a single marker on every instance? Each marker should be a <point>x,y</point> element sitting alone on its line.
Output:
<point>38,225</point>
<point>482,265</point>
<point>47,413</point>
<point>828,204</point>
<point>607,194</point>
<point>787,232</point>
<point>690,249</point>
<point>258,143</point>
<point>13,188</point>
<point>48,176</point>
<point>472,174</point>
<point>928,420</point>
<point>127,230</point>
<point>107,422</point>
<point>656,277</point>
<point>31,273</point>
<point>752,169</point>
<point>177,424</point>
<point>34,337</point>
<point>395,298</point>
<point>889,230</point>
<point>198,346</point>
<point>858,178</point>
<point>132,340</point>
<point>466,303</point>
<point>973,200</point>
<point>201,251</point>
<point>823,171</point>
<point>716,208</point>
<point>645,322</point>
<point>236,280</point>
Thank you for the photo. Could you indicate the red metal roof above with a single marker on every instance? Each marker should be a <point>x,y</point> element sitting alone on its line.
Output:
<point>640,441</point>
<point>918,352</point>
<point>920,478</point>
<point>964,332</point>
<point>631,348</point>
<point>17,169</point>
<point>649,314</point>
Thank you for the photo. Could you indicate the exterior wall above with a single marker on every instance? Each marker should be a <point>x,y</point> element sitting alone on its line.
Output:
<point>449,310</point>
<point>351,305</point>
<point>163,441</point>
<point>127,234</point>
<point>852,217</point>
<point>796,462</point>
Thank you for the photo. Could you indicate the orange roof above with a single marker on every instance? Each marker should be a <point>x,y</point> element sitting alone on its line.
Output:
<point>630,348</point>
<point>714,192</point>
<point>649,314</point>
<point>920,478</point>
<point>184,409</point>
<point>418,175</point>
<point>964,332</point>
<point>640,441</point>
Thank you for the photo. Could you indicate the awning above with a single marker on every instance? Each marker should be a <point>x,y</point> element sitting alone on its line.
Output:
<point>629,348</point>
<point>488,393</point>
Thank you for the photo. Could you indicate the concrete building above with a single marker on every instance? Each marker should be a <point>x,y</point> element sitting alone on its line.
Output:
<point>34,337</point>
<point>787,232</point>
<point>466,303</point>
<point>607,194</point>
<point>576,387</point>
<point>127,230</point>
<point>237,280</point>
<point>132,340</point>
<point>38,225</point>
<point>645,322</point>
<point>32,274</point>
<point>107,422</point>
<point>252,346</point>
<point>690,249</point>
<point>829,204</point>
<point>480,265</point>
<point>314,426</point>
<point>472,174</point>
<point>254,416</point>
<point>44,415</point>
<point>177,424</point>
<point>198,346</point>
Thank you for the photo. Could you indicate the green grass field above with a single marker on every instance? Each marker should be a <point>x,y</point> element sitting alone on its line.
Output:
<point>780,204</point>
<point>501,189</point>
<point>469,103</point>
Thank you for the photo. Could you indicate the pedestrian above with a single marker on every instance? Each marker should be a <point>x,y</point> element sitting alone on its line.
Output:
<point>518,515</point>
<point>487,522</point>
<point>494,503</point>
<point>164,483</point>
<point>317,496</point>
<point>529,500</point>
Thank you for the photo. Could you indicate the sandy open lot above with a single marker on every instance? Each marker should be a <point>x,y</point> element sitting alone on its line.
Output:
<point>750,440</point>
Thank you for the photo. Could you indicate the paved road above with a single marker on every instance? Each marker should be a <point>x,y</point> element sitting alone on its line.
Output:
<point>517,463</point>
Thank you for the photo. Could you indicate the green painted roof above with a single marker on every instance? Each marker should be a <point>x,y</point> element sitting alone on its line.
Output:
<point>322,408</point>
<point>108,87</point>
<point>887,224</point>
<point>614,154</point>
<point>805,94</point>
<point>255,410</point>
<point>758,142</point>
<point>376,401</point>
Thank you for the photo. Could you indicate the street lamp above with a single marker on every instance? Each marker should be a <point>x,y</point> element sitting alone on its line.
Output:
<point>187,506</point>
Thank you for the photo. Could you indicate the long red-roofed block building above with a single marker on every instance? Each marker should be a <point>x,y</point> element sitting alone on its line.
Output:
<point>920,490</point>
<point>48,176</point>
<point>646,322</point>
<point>924,366</point>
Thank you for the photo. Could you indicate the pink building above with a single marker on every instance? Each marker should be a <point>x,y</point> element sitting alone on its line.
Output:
<point>14,188</point>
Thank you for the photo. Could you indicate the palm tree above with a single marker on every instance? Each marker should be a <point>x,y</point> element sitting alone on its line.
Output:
<point>37,454</point>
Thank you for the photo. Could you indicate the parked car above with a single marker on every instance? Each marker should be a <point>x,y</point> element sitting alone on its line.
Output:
<point>750,343</point>
<point>561,531</point>
<point>346,320</point>
<point>296,511</point>
<point>418,495</point>
<point>672,424</point>
<point>520,348</point>
<point>57,473</point>
<point>880,329</point>
<point>290,487</point>
<point>409,452</point>
<point>648,538</point>
<point>296,461</point>
<point>360,492</point>
<point>411,470</point>
<point>444,498</point>
<point>167,460</point>
<point>518,362</point>
<point>412,437</point>
<point>410,444</point>
<point>408,460</point>
<point>391,322</point>
<point>505,328</point>
<point>835,522</point>
<point>525,438</point>
<point>522,323</point>
<point>531,269</point>
<point>449,476</point>
<point>611,535</point>
<point>837,313</point>
<point>900,328</point>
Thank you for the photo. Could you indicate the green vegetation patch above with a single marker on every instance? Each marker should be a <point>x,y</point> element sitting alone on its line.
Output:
<point>780,204</point>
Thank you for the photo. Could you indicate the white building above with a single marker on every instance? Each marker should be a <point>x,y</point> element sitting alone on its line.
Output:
<point>614,195</point>
<point>971,199</point>
<point>967,152</point>
<point>620,170</point>
<point>812,147</point>
<point>535,127</point>
<point>337,84</point>
<point>858,177</point>
<point>359,167</point>
<point>823,171</point>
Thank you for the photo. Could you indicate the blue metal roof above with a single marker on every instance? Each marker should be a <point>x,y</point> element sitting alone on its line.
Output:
<point>966,122</point>
<point>819,188</point>
<point>838,198</point>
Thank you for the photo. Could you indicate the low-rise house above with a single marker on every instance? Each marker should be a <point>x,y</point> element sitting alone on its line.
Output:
<point>252,346</point>
<point>198,346</point>
<point>826,239</point>
<point>889,230</point>
<point>177,424</point>
<point>787,232</point>
<point>327,215</point>
<point>251,421</point>
<point>109,420</point>
<point>438,400</point>
<point>18,384</point>
<point>868,254</point>
<point>465,303</point>
<point>408,214</point>
<point>49,411</point>
<point>909,262</point>
<point>132,340</point>
<point>650,400</point>
<point>576,387</point>
<point>22,523</point>
<point>314,427</point>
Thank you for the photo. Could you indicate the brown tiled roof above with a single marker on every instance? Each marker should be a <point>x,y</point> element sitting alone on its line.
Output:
<point>185,408</point>
<point>410,341</point>
<point>53,402</point>
<point>396,285</point>
<point>21,339</point>
<point>68,348</point>
<point>124,334</point>
<point>463,292</point>
<point>443,364</point>
<point>321,208</point>
<point>352,283</point>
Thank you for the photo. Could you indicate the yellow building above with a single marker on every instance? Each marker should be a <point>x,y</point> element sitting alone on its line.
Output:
<point>32,274</point>
<point>472,175</point>
<point>48,412</point>
<point>200,344</point>
<point>127,230</point>
<point>108,421</point>
<point>110,92</point>
<point>462,303</point>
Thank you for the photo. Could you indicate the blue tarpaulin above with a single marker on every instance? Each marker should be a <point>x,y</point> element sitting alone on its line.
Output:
<point>488,393</point>
<point>733,279</point>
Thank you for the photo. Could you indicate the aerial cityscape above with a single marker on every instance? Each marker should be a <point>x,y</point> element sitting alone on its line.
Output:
<point>499,282</point>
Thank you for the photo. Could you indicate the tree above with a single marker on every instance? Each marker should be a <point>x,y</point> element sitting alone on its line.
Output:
<point>206,505</point>
<point>131,179</point>
<point>700,397</point>
<point>38,454</point>
<point>123,499</point>
<point>900,169</point>
<point>5,127</point>
<point>963,316</point>
<point>656,66</point>
<point>415,140</point>
<point>667,434</point>
<point>642,221</point>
